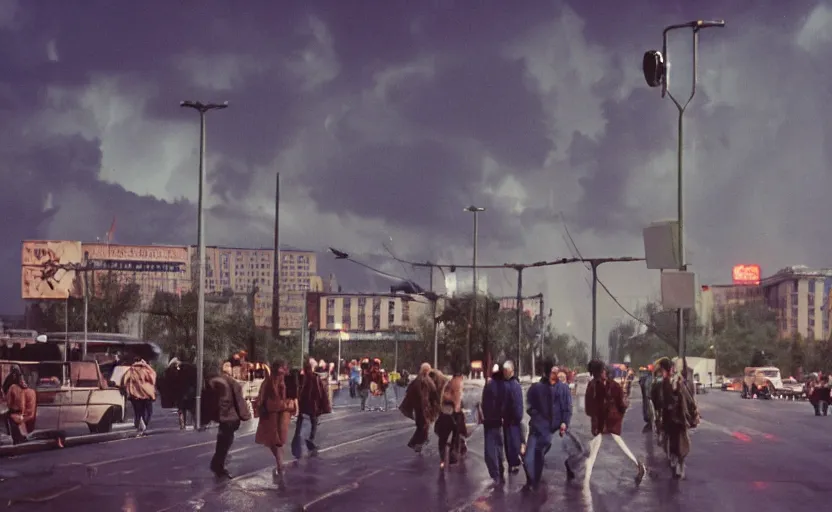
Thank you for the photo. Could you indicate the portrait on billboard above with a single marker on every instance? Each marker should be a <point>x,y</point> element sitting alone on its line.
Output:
<point>746,274</point>
<point>44,272</point>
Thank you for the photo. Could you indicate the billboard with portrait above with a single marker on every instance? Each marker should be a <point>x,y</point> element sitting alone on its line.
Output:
<point>44,268</point>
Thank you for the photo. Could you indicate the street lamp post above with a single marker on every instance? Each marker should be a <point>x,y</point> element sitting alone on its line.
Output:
<point>656,65</point>
<point>203,109</point>
<point>476,211</point>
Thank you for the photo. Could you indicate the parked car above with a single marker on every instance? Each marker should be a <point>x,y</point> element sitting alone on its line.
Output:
<point>791,390</point>
<point>761,382</point>
<point>69,394</point>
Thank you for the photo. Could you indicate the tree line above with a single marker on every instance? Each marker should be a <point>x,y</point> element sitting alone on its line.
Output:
<point>170,320</point>
<point>742,336</point>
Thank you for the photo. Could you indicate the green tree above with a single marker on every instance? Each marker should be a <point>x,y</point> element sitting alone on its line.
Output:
<point>111,300</point>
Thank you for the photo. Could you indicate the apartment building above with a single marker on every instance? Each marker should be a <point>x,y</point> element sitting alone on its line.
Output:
<point>799,295</point>
<point>247,271</point>
<point>346,312</point>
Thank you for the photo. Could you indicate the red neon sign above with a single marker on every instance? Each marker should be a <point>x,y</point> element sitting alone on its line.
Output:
<point>746,274</point>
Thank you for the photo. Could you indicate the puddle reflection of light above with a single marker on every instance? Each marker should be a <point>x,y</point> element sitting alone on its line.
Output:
<point>742,437</point>
<point>759,486</point>
<point>770,437</point>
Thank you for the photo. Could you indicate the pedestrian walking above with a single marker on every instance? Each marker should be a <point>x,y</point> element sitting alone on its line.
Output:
<point>22,406</point>
<point>679,414</point>
<point>139,384</point>
<point>606,404</point>
<point>180,382</point>
<point>277,403</point>
<point>645,381</point>
<point>355,378</point>
<point>313,401</point>
<point>229,410</point>
<point>491,416</point>
<point>421,404</point>
<point>513,419</point>
<point>549,404</point>
<point>450,425</point>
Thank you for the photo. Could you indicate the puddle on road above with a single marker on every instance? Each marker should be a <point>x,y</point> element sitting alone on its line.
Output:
<point>45,495</point>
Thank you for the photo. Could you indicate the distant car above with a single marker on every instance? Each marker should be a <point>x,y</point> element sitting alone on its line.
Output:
<point>791,389</point>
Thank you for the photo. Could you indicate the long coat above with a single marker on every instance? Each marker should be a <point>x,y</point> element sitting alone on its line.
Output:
<point>273,427</point>
<point>605,405</point>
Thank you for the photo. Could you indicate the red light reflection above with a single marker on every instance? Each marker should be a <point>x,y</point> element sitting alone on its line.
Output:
<point>742,437</point>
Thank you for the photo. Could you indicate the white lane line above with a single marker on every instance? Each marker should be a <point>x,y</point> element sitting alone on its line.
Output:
<point>340,490</point>
<point>186,447</point>
<point>204,492</point>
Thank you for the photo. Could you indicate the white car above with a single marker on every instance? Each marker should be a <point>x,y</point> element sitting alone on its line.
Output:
<point>70,394</point>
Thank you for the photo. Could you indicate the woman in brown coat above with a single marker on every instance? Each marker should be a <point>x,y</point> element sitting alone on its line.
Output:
<point>606,404</point>
<point>277,403</point>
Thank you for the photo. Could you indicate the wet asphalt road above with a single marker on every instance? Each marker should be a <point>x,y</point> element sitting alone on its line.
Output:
<point>748,456</point>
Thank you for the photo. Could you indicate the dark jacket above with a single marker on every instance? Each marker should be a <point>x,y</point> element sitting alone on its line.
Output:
<point>548,406</point>
<point>493,405</point>
<point>513,414</point>
<point>314,398</point>
<point>605,405</point>
<point>228,394</point>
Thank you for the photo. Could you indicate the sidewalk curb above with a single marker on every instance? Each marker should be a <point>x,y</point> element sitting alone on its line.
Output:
<point>50,444</point>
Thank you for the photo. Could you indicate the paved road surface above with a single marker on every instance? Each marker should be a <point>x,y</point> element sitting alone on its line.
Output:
<point>748,456</point>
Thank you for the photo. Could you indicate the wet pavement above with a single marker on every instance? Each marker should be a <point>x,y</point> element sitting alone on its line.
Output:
<point>748,456</point>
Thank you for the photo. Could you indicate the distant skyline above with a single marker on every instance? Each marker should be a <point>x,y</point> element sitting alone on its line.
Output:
<point>386,118</point>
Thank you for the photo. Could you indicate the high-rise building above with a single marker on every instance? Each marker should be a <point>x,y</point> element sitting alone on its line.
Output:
<point>243,271</point>
<point>363,313</point>
<point>797,294</point>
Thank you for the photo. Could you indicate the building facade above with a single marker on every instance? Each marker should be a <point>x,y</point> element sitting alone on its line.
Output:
<point>798,295</point>
<point>251,271</point>
<point>355,313</point>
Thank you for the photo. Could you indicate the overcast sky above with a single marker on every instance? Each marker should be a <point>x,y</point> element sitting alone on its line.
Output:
<point>386,117</point>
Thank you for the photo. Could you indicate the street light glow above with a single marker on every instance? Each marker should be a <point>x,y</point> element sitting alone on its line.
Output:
<point>473,209</point>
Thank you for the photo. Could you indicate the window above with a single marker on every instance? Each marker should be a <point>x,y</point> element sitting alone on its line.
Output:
<point>346,311</point>
<point>391,313</point>
<point>405,312</point>
<point>376,314</point>
<point>794,286</point>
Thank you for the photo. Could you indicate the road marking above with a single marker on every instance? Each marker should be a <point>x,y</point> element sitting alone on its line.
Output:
<point>340,490</point>
<point>179,448</point>
<point>198,496</point>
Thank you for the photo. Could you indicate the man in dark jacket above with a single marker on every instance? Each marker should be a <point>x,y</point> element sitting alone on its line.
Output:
<point>231,410</point>
<point>313,401</point>
<point>492,415</point>
<point>513,418</point>
<point>549,405</point>
<point>645,383</point>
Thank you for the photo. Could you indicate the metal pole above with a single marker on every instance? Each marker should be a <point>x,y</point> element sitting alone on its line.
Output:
<point>66,329</point>
<point>435,337</point>
<point>474,305</point>
<point>519,318</point>
<point>276,265</point>
<point>435,326</point>
<point>594,352</point>
<point>86,307</point>
<point>396,358</point>
<point>338,364</point>
<point>200,312</point>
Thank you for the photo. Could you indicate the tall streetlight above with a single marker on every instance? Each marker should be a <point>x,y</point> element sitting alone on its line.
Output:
<point>203,109</point>
<point>476,211</point>
<point>656,67</point>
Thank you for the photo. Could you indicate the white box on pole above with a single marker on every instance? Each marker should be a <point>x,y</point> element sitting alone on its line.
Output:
<point>661,243</point>
<point>678,289</point>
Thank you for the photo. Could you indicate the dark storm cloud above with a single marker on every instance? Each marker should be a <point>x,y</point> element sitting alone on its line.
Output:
<point>485,98</point>
<point>634,134</point>
<point>420,182</point>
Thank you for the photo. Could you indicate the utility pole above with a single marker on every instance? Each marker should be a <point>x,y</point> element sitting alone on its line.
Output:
<point>594,263</point>
<point>276,265</point>
<point>200,320</point>
<point>433,299</point>
<point>519,269</point>
<point>86,306</point>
